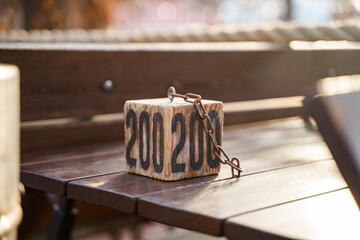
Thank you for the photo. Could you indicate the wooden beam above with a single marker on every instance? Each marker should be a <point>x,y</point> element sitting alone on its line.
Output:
<point>333,215</point>
<point>62,81</point>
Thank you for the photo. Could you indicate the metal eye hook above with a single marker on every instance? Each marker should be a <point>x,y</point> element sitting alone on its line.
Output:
<point>238,169</point>
<point>170,93</point>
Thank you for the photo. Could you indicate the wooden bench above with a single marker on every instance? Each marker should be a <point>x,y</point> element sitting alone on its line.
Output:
<point>70,148</point>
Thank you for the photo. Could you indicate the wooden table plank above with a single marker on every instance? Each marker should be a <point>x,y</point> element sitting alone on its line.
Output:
<point>267,134</point>
<point>204,207</point>
<point>90,150</point>
<point>54,168</point>
<point>70,132</point>
<point>121,190</point>
<point>261,148</point>
<point>241,138</point>
<point>283,156</point>
<point>333,215</point>
<point>53,176</point>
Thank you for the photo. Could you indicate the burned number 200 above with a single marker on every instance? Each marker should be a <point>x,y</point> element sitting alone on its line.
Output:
<point>152,136</point>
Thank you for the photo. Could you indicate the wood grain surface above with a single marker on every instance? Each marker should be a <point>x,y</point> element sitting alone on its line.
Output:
<point>74,133</point>
<point>74,152</point>
<point>250,116</point>
<point>122,190</point>
<point>166,140</point>
<point>267,134</point>
<point>338,118</point>
<point>333,215</point>
<point>249,137</point>
<point>282,163</point>
<point>86,132</point>
<point>260,146</point>
<point>75,88</point>
<point>204,207</point>
<point>52,176</point>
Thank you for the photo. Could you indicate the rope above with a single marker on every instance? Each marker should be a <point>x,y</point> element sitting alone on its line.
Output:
<point>283,32</point>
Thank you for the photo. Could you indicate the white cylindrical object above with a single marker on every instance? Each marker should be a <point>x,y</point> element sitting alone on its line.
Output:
<point>10,209</point>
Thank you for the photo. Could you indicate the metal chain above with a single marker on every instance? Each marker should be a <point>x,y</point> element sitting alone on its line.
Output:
<point>195,99</point>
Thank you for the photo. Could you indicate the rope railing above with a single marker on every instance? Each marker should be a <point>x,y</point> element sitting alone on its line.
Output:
<point>281,32</point>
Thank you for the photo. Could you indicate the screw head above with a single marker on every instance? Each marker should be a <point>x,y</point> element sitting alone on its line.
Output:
<point>107,85</point>
<point>332,72</point>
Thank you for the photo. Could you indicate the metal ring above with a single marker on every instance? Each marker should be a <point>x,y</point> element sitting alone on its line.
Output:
<point>171,91</point>
<point>235,167</point>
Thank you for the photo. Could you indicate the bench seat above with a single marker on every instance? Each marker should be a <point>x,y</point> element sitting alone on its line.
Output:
<point>71,124</point>
<point>283,164</point>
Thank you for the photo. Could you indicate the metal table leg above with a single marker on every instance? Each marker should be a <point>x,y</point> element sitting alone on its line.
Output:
<point>62,220</point>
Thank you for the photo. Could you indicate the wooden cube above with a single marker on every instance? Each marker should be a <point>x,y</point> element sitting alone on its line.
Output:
<point>166,140</point>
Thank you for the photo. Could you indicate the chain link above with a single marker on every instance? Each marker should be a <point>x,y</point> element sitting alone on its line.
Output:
<point>195,99</point>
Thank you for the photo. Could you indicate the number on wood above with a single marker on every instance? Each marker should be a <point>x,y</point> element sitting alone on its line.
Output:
<point>196,123</point>
<point>158,121</point>
<point>178,118</point>
<point>144,118</point>
<point>167,140</point>
<point>213,162</point>
<point>131,117</point>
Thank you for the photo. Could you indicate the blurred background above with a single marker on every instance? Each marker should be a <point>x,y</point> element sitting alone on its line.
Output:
<point>165,14</point>
<point>150,15</point>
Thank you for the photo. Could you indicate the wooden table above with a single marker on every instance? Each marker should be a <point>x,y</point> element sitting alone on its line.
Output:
<point>290,187</point>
